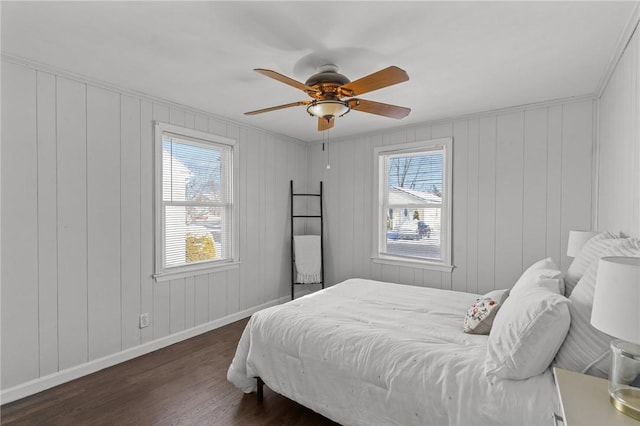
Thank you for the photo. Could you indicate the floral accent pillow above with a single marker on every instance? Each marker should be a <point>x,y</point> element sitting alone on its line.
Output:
<point>480,315</point>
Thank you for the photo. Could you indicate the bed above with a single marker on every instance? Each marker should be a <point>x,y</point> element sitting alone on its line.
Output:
<point>365,352</point>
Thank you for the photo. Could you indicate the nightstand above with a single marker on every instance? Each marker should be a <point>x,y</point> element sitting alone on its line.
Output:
<point>584,401</point>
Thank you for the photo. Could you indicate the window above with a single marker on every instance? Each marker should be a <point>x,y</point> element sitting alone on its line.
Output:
<point>195,210</point>
<point>413,223</point>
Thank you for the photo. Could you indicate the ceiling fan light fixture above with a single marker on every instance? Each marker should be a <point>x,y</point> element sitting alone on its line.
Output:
<point>326,108</point>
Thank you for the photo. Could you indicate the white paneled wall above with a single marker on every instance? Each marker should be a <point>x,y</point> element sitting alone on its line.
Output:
<point>77,230</point>
<point>77,209</point>
<point>619,146</point>
<point>522,179</point>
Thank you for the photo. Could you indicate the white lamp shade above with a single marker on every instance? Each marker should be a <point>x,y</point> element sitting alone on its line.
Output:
<point>577,239</point>
<point>616,300</point>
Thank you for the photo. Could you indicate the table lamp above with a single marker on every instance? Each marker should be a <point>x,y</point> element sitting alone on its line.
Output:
<point>576,240</point>
<point>616,311</point>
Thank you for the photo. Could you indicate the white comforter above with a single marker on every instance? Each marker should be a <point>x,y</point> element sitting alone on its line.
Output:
<point>370,353</point>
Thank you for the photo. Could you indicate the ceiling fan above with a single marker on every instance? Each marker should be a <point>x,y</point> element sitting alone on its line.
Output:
<point>328,88</point>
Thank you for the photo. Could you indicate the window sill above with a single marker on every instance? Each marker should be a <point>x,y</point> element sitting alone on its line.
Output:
<point>422,264</point>
<point>194,271</point>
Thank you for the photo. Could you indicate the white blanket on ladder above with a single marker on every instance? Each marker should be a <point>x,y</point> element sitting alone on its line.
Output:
<point>307,258</point>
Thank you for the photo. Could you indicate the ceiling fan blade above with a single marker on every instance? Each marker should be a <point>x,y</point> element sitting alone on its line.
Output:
<point>286,80</point>
<point>379,108</point>
<point>325,124</point>
<point>275,108</point>
<point>383,78</point>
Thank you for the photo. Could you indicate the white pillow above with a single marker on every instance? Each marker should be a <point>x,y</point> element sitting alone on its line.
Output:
<point>585,343</point>
<point>542,273</point>
<point>526,334</point>
<point>546,263</point>
<point>590,253</point>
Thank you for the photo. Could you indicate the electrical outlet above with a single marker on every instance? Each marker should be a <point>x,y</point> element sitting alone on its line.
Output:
<point>144,320</point>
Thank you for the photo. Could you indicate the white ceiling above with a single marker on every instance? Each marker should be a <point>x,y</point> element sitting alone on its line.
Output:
<point>462,57</point>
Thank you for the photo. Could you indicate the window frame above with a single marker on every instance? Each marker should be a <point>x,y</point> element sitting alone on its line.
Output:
<point>381,199</point>
<point>163,273</point>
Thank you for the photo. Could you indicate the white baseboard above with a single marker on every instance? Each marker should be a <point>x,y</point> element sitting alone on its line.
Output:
<point>60,377</point>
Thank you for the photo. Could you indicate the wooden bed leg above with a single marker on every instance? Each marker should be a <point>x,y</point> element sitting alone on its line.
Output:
<point>260,389</point>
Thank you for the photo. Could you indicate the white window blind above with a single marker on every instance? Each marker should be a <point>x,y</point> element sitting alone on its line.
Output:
<point>413,203</point>
<point>196,208</point>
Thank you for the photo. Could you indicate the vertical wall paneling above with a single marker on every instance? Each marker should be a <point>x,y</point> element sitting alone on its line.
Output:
<point>258,238</point>
<point>511,173</point>
<point>332,260</point>
<point>634,142</point>
<point>609,129</point>
<point>79,252</point>
<point>242,205</point>
<point>633,226</point>
<point>509,196</point>
<point>72,222</point>
<point>281,230</point>
<point>486,204</point>
<point>265,236</point>
<point>217,295</point>
<point>252,210</point>
<point>277,232</point>
<point>190,302</point>
<point>577,151</point>
<point>618,192</point>
<point>332,254</point>
<point>424,133</point>
<point>390,273</point>
<point>20,343</point>
<point>177,302</point>
<point>406,275</point>
<point>161,290</point>
<point>177,117</point>
<point>85,163</point>
<point>189,120</point>
<point>360,250</point>
<point>368,192</point>
<point>217,127</point>
<point>202,124</point>
<point>459,204</point>
<point>471,243</point>
<point>371,191</point>
<point>266,200</point>
<point>348,215</point>
<point>147,287</point>
<point>47,224</point>
<point>201,299</point>
<point>103,217</point>
<point>534,206</point>
<point>233,284</point>
<point>130,223</point>
<point>554,183</point>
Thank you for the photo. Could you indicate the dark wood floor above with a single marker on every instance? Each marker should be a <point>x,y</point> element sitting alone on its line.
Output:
<point>183,384</point>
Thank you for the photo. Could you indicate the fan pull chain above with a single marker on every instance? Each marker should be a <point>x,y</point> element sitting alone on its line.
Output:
<point>327,132</point>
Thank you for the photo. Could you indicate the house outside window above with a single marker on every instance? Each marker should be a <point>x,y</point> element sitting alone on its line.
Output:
<point>196,216</point>
<point>413,225</point>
